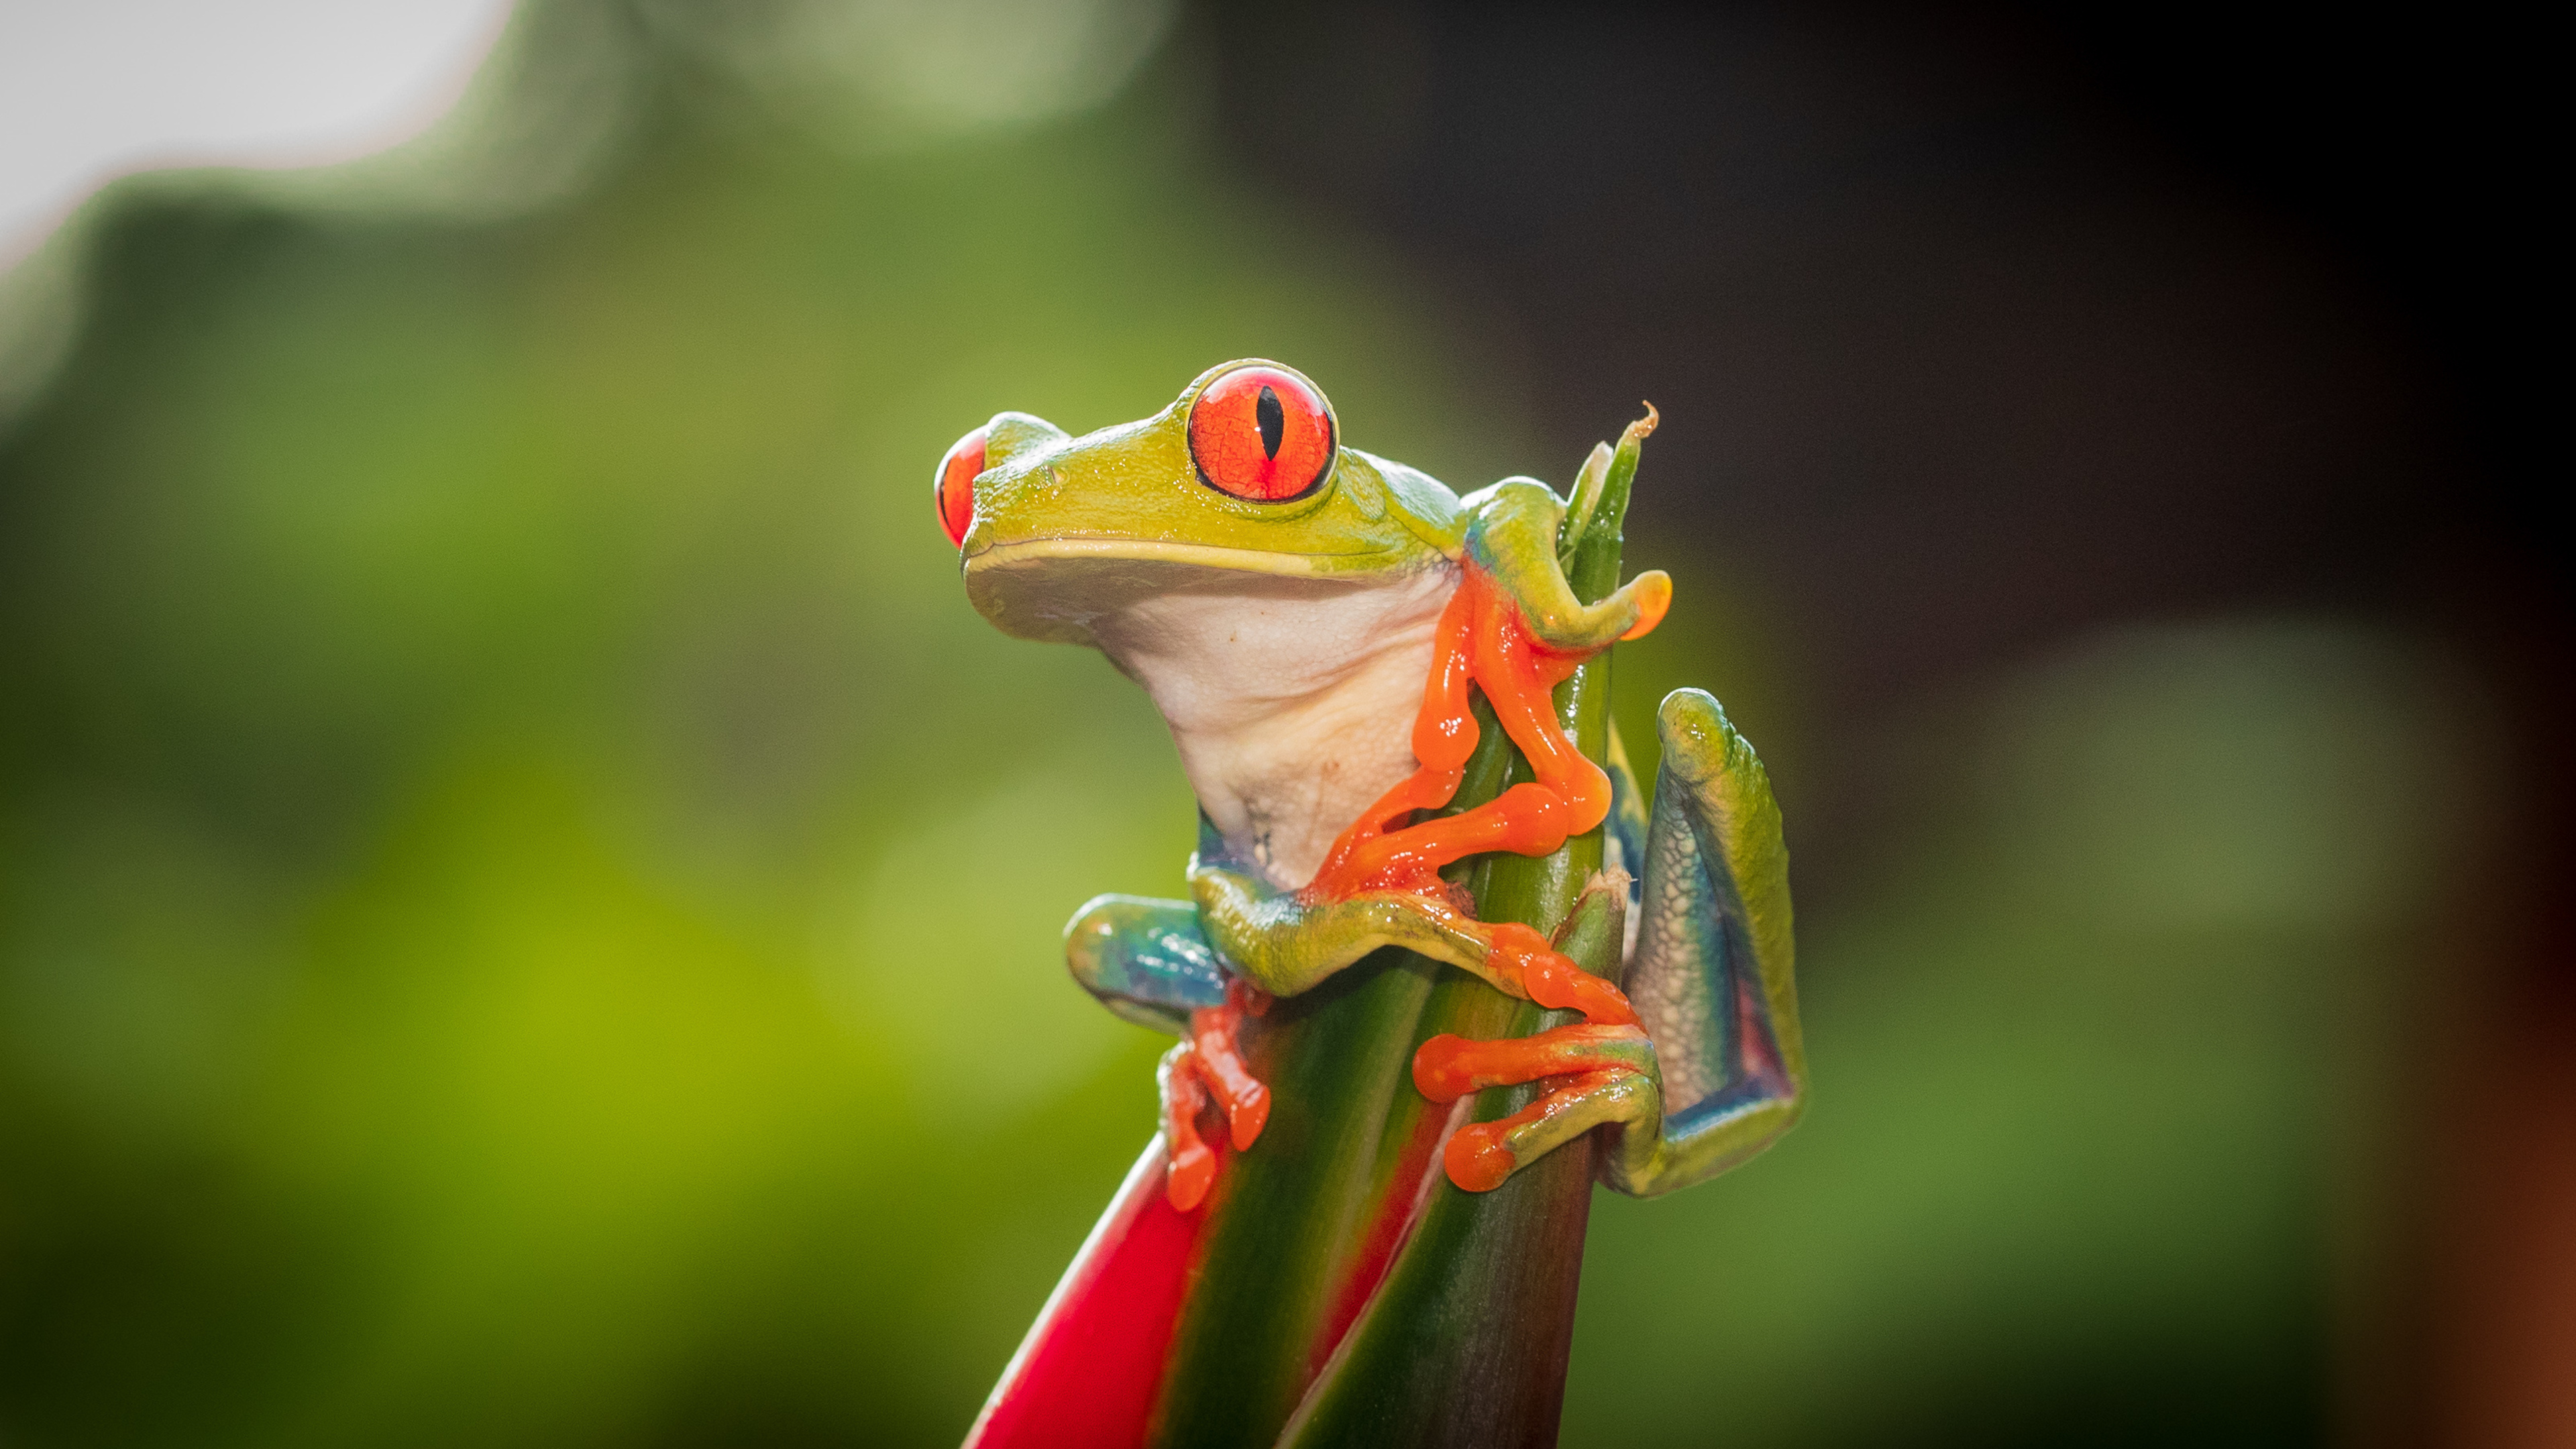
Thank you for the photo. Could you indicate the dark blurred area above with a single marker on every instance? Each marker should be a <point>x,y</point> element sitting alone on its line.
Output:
<point>528,900</point>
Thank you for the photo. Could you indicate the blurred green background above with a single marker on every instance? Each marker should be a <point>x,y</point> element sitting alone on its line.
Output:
<point>528,901</point>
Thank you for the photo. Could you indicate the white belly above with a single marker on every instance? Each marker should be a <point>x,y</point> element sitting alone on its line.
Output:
<point>1292,700</point>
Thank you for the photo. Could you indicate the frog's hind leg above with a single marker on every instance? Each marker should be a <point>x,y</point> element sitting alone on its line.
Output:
<point>1719,1069</point>
<point>1714,972</point>
<point>1482,1155</point>
<point>1597,1074</point>
<point>1597,1071</point>
<point>1148,962</point>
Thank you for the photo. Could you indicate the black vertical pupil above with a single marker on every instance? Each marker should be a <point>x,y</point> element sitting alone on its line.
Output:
<point>1272,422</point>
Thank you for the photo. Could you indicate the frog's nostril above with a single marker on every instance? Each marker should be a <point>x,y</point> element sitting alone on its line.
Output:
<point>953,490</point>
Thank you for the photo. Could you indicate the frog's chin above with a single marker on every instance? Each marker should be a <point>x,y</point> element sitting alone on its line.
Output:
<point>1059,589</point>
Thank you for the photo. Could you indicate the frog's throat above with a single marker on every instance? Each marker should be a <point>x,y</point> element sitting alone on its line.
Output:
<point>1056,589</point>
<point>1290,695</point>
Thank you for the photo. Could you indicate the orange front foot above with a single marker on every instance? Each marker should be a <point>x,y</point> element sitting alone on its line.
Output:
<point>1208,1065</point>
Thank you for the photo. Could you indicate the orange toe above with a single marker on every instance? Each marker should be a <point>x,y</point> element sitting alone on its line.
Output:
<point>1217,1056</point>
<point>1654,599</point>
<point>1192,1173</point>
<point>1442,1068</point>
<point>1193,1166</point>
<point>1246,1115</point>
<point>1477,1159</point>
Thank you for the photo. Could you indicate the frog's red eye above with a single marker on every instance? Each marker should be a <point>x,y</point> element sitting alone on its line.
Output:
<point>953,489</point>
<point>1262,433</point>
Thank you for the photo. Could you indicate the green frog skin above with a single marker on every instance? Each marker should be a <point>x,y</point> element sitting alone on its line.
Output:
<point>1308,619</point>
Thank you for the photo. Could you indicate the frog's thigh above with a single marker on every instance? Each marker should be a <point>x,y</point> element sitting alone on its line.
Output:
<point>1285,946</point>
<point>1147,960</point>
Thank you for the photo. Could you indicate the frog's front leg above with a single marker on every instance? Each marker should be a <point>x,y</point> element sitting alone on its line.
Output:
<point>1512,536</point>
<point>1515,631</point>
<point>1149,963</point>
<point>1718,1070</point>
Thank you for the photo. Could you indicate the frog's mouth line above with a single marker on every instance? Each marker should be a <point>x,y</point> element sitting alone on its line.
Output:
<point>1145,550</point>
<point>1053,588</point>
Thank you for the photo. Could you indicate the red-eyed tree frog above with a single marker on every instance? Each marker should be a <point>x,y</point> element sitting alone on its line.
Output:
<point>1310,619</point>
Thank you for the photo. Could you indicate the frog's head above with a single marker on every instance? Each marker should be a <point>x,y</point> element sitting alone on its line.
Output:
<point>1242,485</point>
